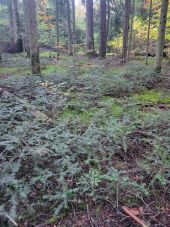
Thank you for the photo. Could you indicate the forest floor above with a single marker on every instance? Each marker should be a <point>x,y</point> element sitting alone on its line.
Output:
<point>84,143</point>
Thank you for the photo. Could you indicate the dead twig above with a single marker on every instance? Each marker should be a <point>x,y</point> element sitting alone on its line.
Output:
<point>134,217</point>
<point>89,217</point>
<point>10,219</point>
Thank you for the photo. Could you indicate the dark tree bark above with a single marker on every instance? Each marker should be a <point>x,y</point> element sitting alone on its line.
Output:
<point>126,30</point>
<point>89,26</point>
<point>108,18</point>
<point>26,31</point>
<point>161,37</point>
<point>148,33</point>
<point>74,22</point>
<point>17,26</point>
<point>11,24</point>
<point>70,38</point>
<point>57,4</point>
<point>33,36</point>
<point>0,58</point>
<point>103,31</point>
<point>131,30</point>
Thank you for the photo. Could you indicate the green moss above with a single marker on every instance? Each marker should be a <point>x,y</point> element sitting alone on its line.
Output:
<point>52,220</point>
<point>46,54</point>
<point>153,97</point>
<point>49,69</point>
<point>117,110</point>
<point>82,206</point>
<point>84,116</point>
<point>114,70</point>
<point>107,100</point>
<point>113,106</point>
<point>8,70</point>
<point>55,219</point>
<point>21,70</point>
<point>14,70</point>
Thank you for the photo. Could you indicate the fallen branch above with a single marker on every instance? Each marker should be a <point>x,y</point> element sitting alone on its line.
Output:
<point>134,217</point>
<point>10,219</point>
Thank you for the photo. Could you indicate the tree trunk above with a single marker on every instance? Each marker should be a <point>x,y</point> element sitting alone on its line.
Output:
<point>33,36</point>
<point>26,31</point>
<point>74,22</point>
<point>148,33</point>
<point>108,19</point>
<point>131,30</point>
<point>11,24</point>
<point>103,35</point>
<point>161,37</point>
<point>70,39</point>
<point>17,26</point>
<point>126,30</point>
<point>57,27</point>
<point>0,58</point>
<point>89,26</point>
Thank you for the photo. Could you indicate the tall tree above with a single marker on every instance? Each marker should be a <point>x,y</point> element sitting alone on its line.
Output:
<point>108,18</point>
<point>11,24</point>
<point>161,37</point>
<point>131,29</point>
<point>70,38</point>
<point>103,30</point>
<point>33,36</point>
<point>148,33</point>
<point>126,30</point>
<point>26,30</point>
<point>0,58</point>
<point>57,9</point>
<point>17,26</point>
<point>74,21</point>
<point>89,26</point>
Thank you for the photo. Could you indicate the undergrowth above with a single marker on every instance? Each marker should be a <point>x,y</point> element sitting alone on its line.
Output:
<point>64,141</point>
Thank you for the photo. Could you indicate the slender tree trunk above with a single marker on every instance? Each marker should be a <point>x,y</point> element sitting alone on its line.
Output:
<point>0,58</point>
<point>70,39</point>
<point>126,30</point>
<point>74,22</point>
<point>57,27</point>
<point>33,36</point>
<point>161,37</point>
<point>131,30</point>
<point>26,31</point>
<point>103,35</point>
<point>11,23</point>
<point>108,19</point>
<point>148,33</point>
<point>89,26</point>
<point>17,26</point>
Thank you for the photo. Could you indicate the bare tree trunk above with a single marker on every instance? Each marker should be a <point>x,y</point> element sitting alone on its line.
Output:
<point>74,22</point>
<point>161,37</point>
<point>70,39</point>
<point>33,36</point>
<point>11,24</point>
<point>103,35</point>
<point>17,26</point>
<point>148,33</point>
<point>26,31</point>
<point>108,19</point>
<point>57,27</point>
<point>89,26</point>
<point>0,58</point>
<point>131,30</point>
<point>126,30</point>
